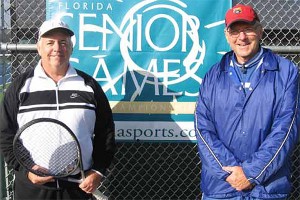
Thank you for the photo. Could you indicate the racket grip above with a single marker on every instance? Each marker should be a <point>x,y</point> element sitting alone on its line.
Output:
<point>72,180</point>
<point>99,196</point>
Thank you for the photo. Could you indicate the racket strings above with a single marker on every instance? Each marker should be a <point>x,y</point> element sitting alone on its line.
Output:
<point>52,148</point>
<point>66,164</point>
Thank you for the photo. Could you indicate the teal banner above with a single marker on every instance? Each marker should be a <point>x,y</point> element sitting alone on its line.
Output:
<point>149,56</point>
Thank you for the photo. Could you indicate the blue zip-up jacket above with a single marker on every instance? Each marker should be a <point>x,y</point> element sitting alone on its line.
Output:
<point>256,130</point>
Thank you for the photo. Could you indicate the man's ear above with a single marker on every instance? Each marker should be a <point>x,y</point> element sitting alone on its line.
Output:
<point>226,35</point>
<point>260,33</point>
<point>38,47</point>
<point>72,46</point>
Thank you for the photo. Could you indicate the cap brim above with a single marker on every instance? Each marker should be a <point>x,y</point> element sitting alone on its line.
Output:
<point>66,30</point>
<point>240,20</point>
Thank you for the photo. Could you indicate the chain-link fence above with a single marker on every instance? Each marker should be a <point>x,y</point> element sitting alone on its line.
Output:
<point>143,170</point>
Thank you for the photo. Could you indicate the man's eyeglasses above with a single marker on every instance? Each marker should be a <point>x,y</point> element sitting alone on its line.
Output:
<point>251,31</point>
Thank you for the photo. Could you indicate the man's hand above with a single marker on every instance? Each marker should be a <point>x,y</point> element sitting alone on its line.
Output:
<point>40,180</point>
<point>237,178</point>
<point>91,182</point>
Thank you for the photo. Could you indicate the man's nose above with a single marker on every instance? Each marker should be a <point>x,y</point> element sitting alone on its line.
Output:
<point>56,46</point>
<point>242,35</point>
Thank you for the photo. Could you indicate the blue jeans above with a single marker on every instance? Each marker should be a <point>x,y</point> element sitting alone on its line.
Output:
<point>235,198</point>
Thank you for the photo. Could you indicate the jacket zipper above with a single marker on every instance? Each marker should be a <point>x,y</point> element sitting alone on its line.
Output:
<point>56,96</point>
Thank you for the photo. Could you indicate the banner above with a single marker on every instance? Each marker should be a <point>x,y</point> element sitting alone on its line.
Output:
<point>149,56</point>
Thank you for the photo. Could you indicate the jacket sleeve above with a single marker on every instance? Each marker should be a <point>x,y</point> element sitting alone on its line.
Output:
<point>104,133</point>
<point>278,146</point>
<point>8,124</point>
<point>213,153</point>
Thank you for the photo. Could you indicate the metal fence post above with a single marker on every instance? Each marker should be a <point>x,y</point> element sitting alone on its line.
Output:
<point>2,179</point>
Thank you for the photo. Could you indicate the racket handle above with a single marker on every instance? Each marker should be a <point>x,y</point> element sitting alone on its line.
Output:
<point>72,180</point>
<point>99,196</point>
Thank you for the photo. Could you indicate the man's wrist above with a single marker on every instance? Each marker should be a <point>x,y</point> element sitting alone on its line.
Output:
<point>97,172</point>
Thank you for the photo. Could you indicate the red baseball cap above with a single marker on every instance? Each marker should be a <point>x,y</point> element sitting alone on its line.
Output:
<point>240,13</point>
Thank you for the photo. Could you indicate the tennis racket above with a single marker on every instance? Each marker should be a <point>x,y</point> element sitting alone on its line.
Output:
<point>47,147</point>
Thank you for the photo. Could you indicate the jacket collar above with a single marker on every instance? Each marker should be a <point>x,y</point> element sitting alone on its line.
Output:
<point>39,71</point>
<point>270,63</point>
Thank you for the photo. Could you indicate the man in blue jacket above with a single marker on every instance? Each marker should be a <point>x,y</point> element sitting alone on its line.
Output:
<point>246,116</point>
